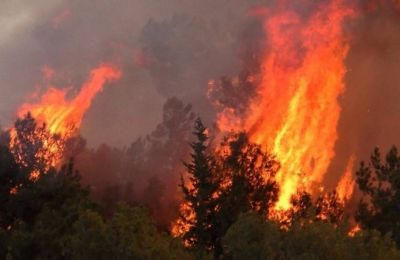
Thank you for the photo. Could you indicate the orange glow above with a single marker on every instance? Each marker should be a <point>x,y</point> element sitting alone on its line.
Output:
<point>354,230</point>
<point>346,185</point>
<point>296,112</point>
<point>34,176</point>
<point>180,227</point>
<point>62,115</point>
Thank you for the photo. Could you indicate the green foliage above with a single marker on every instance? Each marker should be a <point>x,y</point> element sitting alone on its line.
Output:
<point>251,183</point>
<point>54,219</point>
<point>379,181</point>
<point>76,231</point>
<point>130,234</point>
<point>44,212</point>
<point>317,240</point>
<point>231,194</point>
<point>224,186</point>
<point>52,216</point>
<point>253,237</point>
<point>370,244</point>
<point>11,177</point>
<point>88,238</point>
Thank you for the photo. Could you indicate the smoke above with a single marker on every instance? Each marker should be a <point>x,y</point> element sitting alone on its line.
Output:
<point>173,48</point>
<point>165,48</point>
<point>146,173</point>
<point>370,104</point>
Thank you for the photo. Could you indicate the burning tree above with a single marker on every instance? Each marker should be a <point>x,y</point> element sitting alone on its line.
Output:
<point>223,184</point>
<point>292,105</point>
<point>34,147</point>
<point>248,182</point>
<point>250,173</point>
<point>39,138</point>
<point>327,207</point>
<point>201,195</point>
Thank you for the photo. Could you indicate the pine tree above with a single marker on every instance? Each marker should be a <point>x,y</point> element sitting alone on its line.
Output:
<point>252,174</point>
<point>200,195</point>
<point>379,182</point>
<point>251,184</point>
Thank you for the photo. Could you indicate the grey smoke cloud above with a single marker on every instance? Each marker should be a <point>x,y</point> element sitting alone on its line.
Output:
<point>198,40</point>
<point>370,105</point>
<point>172,48</point>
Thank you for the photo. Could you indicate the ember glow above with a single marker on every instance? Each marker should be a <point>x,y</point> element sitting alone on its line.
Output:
<point>62,115</point>
<point>296,112</point>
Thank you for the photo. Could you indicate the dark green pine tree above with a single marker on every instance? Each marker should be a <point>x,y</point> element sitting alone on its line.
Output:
<point>200,196</point>
<point>251,186</point>
<point>252,174</point>
<point>379,182</point>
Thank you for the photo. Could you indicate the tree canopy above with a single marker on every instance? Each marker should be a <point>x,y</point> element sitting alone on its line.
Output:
<point>379,182</point>
<point>228,194</point>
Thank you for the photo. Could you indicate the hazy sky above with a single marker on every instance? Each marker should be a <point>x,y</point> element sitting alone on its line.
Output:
<point>74,36</point>
<point>192,42</point>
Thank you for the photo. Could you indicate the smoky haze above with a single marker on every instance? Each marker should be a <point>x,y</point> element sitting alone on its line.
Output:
<point>370,105</point>
<point>173,48</point>
<point>164,48</point>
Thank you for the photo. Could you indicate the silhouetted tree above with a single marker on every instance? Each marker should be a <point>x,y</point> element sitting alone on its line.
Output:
<point>12,177</point>
<point>130,170</point>
<point>302,210</point>
<point>327,207</point>
<point>200,193</point>
<point>33,146</point>
<point>43,212</point>
<point>249,183</point>
<point>379,181</point>
<point>53,218</point>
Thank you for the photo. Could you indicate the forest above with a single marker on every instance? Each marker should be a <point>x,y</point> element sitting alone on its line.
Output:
<point>257,129</point>
<point>226,209</point>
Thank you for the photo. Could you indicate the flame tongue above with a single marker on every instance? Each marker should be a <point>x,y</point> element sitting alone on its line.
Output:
<point>63,116</point>
<point>59,113</point>
<point>296,112</point>
<point>302,79</point>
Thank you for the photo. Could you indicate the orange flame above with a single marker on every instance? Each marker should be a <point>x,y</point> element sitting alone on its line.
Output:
<point>180,227</point>
<point>63,115</point>
<point>296,112</point>
<point>346,185</point>
<point>353,231</point>
<point>60,113</point>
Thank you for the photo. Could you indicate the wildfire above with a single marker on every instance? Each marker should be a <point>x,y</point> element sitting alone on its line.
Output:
<point>62,115</point>
<point>346,185</point>
<point>179,228</point>
<point>296,111</point>
<point>354,230</point>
